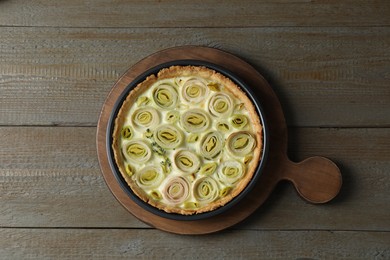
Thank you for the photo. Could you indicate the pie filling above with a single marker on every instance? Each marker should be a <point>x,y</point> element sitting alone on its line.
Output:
<point>187,140</point>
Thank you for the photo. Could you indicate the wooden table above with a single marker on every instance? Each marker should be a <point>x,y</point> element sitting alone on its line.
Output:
<point>328,62</point>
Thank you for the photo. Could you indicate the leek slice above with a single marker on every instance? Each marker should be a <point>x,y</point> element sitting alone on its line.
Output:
<point>208,168</point>
<point>137,151</point>
<point>142,101</point>
<point>241,143</point>
<point>248,159</point>
<point>205,190</point>
<point>187,161</point>
<point>176,190</point>
<point>192,138</point>
<point>129,170</point>
<point>195,91</point>
<point>239,121</point>
<point>195,120</point>
<point>172,116</point>
<point>191,205</point>
<point>149,177</point>
<point>220,105</point>
<point>126,132</point>
<point>222,127</point>
<point>146,117</point>
<point>225,191</point>
<point>214,86</point>
<point>211,145</point>
<point>239,106</point>
<point>168,136</point>
<point>230,172</point>
<point>156,195</point>
<point>165,96</point>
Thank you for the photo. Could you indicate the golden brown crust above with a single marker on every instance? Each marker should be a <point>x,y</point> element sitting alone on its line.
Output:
<point>183,71</point>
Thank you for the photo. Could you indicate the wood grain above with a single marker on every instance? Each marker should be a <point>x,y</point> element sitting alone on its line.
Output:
<point>328,62</point>
<point>49,177</point>
<point>60,76</point>
<point>152,244</point>
<point>206,13</point>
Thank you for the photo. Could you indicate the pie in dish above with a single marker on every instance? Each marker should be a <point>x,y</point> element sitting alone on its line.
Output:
<point>187,140</point>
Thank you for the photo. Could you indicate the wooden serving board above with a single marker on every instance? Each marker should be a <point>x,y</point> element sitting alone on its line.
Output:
<point>317,179</point>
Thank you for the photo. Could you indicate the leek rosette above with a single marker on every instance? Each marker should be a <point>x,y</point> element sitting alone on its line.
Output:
<point>187,161</point>
<point>137,151</point>
<point>195,120</point>
<point>239,121</point>
<point>146,117</point>
<point>221,105</point>
<point>211,145</point>
<point>241,143</point>
<point>168,136</point>
<point>230,172</point>
<point>176,190</point>
<point>165,96</point>
<point>205,190</point>
<point>194,91</point>
<point>149,177</point>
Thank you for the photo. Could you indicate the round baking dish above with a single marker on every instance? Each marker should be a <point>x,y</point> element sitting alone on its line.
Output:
<point>110,154</point>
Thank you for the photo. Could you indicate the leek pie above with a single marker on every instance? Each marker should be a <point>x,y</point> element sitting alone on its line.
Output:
<point>187,140</point>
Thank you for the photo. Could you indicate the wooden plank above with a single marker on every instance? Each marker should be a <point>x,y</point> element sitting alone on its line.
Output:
<point>323,76</point>
<point>363,158</point>
<point>49,177</point>
<point>152,244</point>
<point>102,13</point>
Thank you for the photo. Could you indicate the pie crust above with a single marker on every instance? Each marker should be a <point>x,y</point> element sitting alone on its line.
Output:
<point>187,140</point>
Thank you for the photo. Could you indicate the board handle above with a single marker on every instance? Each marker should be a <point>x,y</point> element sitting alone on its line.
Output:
<point>317,179</point>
